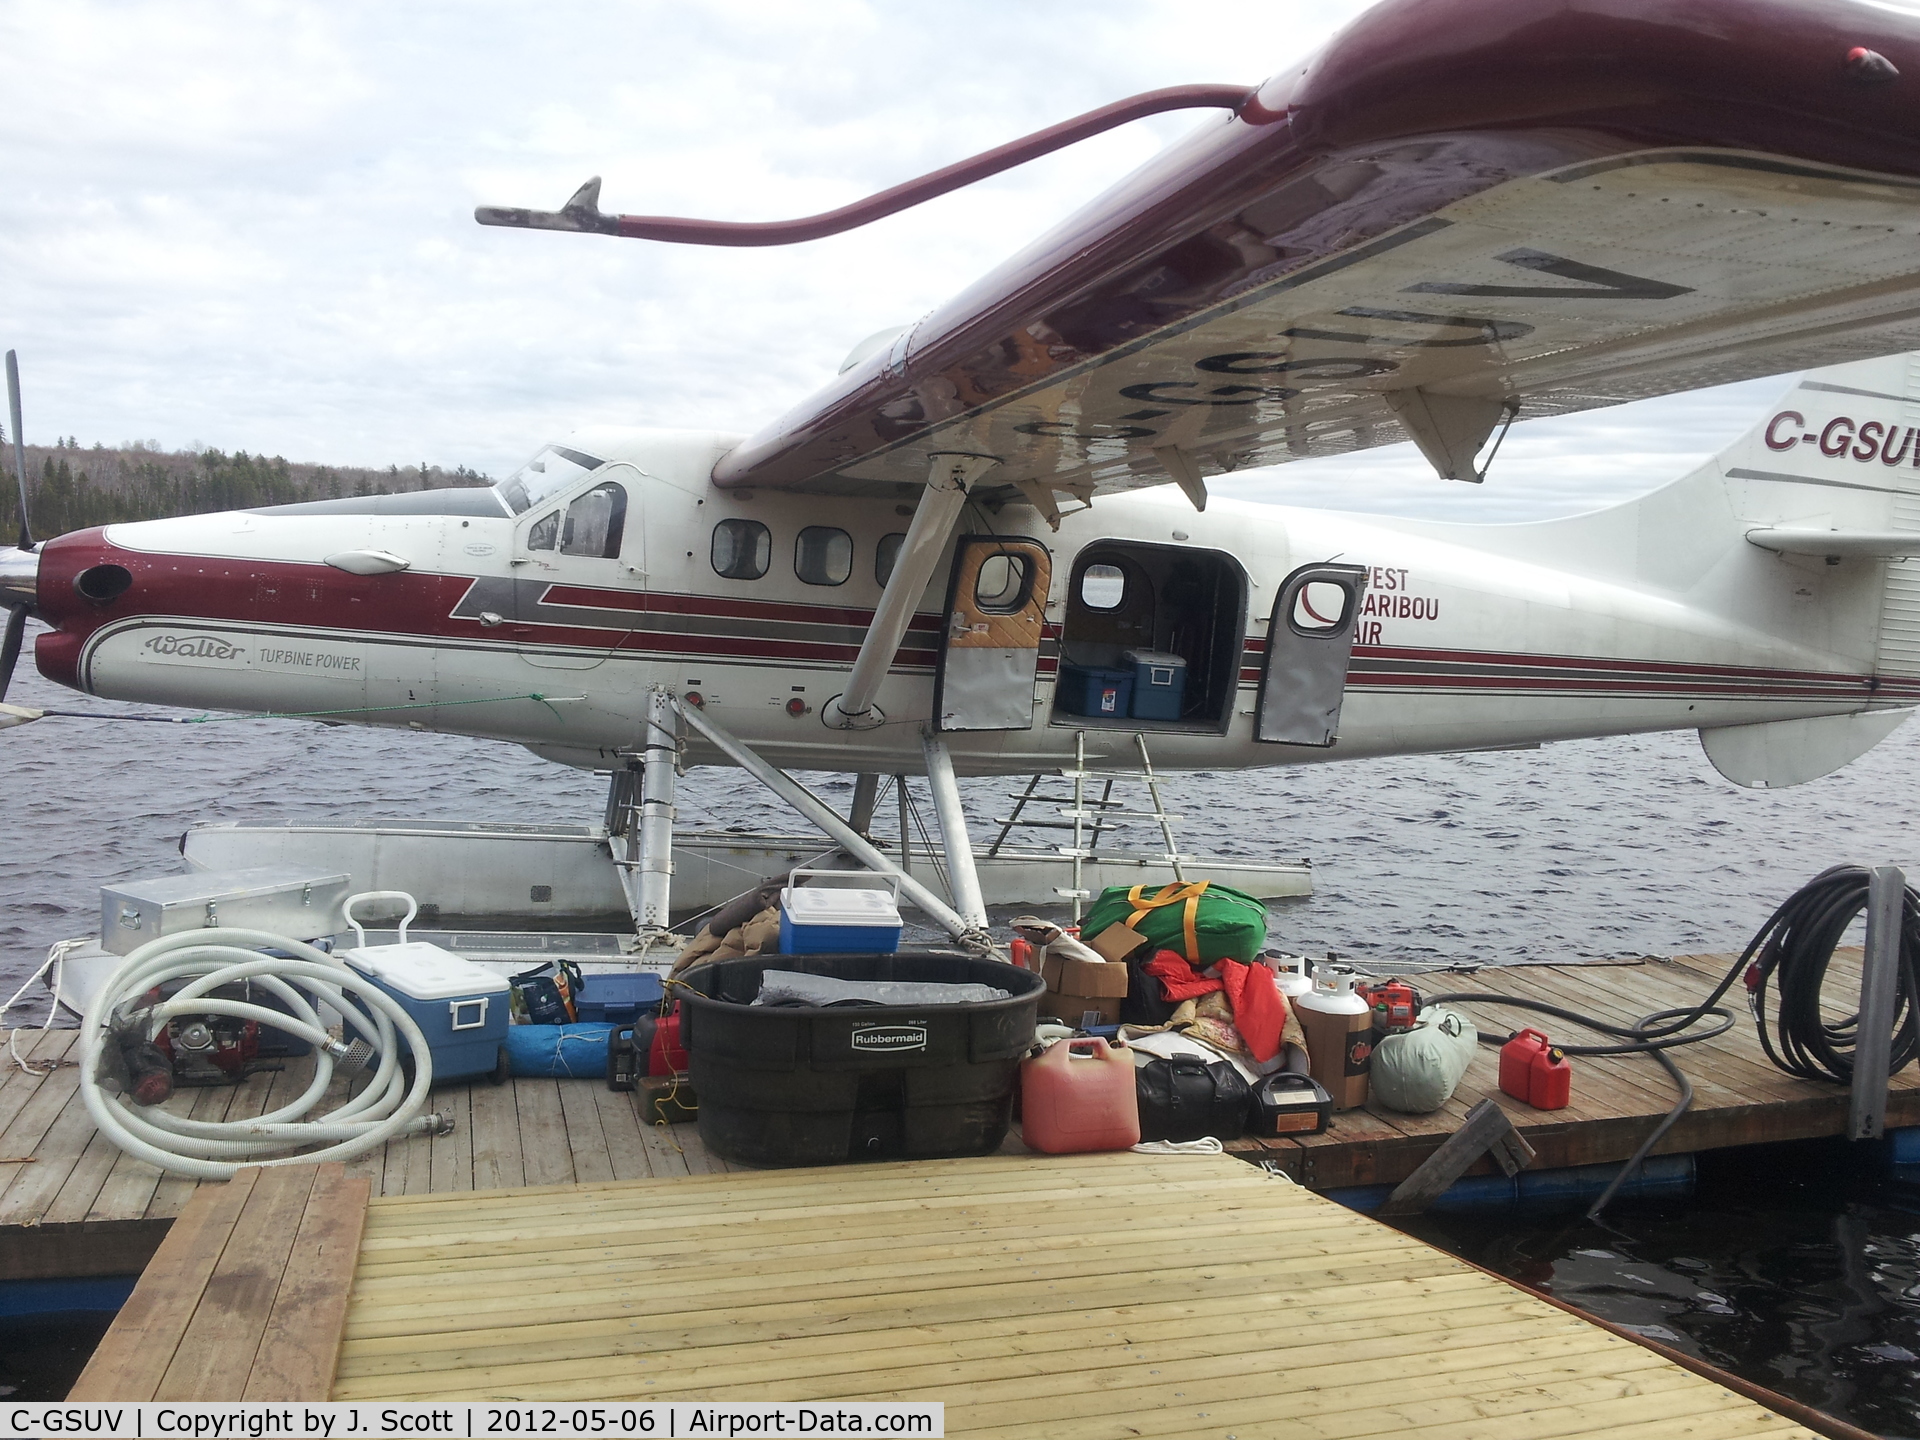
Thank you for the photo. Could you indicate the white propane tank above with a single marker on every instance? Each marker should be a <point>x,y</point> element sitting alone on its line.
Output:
<point>1339,1026</point>
<point>1290,974</point>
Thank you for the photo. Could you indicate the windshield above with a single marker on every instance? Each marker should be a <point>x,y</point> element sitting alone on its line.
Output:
<point>548,473</point>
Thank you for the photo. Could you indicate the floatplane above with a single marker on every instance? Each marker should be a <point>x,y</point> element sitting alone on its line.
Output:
<point>988,548</point>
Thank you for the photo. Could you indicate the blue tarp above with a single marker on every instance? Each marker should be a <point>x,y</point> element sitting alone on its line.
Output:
<point>559,1052</point>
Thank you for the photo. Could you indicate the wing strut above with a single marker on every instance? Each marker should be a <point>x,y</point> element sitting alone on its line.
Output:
<point>582,213</point>
<point>948,480</point>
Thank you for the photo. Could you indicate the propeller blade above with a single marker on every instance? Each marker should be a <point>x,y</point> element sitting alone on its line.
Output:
<point>10,646</point>
<point>19,467</point>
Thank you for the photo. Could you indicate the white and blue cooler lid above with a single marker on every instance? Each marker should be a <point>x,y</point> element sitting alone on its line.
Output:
<point>1153,657</point>
<point>423,971</point>
<point>824,905</point>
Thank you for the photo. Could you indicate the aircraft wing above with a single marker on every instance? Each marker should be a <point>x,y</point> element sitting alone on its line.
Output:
<point>1457,207</point>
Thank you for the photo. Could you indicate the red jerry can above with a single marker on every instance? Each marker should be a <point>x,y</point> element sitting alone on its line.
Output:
<point>1532,1070</point>
<point>667,1056</point>
<point>1072,1102</point>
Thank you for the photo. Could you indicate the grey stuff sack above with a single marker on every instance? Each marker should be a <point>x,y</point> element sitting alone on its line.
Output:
<point>1416,1071</point>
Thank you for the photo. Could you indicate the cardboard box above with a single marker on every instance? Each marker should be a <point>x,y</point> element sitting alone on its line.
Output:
<point>1077,987</point>
<point>1118,941</point>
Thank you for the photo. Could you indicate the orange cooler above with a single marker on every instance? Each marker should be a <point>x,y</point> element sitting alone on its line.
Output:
<point>1078,1096</point>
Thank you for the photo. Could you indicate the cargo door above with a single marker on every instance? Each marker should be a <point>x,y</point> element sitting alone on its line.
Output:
<point>578,572</point>
<point>1309,641</point>
<point>990,652</point>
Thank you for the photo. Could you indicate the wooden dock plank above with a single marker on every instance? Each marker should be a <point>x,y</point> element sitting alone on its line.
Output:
<point>543,1132</point>
<point>302,1335</point>
<point>139,1346</point>
<point>1030,1294</point>
<point>216,1352</point>
<point>497,1160</point>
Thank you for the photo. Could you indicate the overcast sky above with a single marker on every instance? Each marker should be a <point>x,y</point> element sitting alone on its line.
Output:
<point>250,225</point>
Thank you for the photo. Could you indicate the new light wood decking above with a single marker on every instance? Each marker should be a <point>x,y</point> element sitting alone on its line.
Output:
<point>1097,1297</point>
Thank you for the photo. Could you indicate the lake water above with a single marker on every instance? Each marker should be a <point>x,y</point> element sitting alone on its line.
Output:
<point>1592,849</point>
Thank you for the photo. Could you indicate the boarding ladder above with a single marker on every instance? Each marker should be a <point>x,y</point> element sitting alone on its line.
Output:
<point>1088,818</point>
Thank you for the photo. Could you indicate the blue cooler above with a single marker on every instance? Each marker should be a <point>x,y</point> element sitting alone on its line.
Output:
<point>459,1006</point>
<point>1159,683</point>
<point>829,920</point>
<point>618,999</point>
<point>1089,690</point>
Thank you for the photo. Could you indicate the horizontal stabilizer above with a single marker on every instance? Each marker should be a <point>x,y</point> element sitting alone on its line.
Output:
<point>1837,544</point>
<point>1791,752</point>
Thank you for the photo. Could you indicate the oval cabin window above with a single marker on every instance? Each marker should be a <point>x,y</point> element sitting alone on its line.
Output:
<point>742,549</point>
<point>823,555</point>
<point>1103,587</point>
<point>1321,607</point>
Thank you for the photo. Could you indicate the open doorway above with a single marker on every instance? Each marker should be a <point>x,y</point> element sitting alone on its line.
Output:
<point>1151,638</point>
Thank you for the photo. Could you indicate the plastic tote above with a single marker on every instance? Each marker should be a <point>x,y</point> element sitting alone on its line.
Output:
<point>815,1085</point>
<point>1096,693</point>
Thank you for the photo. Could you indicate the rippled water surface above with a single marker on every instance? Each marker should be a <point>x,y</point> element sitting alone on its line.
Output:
<point>1592,849</point>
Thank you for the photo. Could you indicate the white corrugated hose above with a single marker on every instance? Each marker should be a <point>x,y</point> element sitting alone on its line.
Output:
<point>301,977</point>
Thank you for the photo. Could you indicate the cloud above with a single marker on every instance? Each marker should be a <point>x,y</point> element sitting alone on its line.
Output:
<point>251,223</point>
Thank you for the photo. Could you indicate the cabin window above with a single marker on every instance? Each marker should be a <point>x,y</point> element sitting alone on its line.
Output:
<point>742,549</point>
<point>823,555</point>
<point>596,523</point>
<point>1321,607</point>
<point>886,556</point>
<point>1004,583</point>
<point>542,534</point>
<point>1103,587</point>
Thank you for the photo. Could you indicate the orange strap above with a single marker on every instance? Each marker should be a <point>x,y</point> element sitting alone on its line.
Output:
<point>1174,894</point>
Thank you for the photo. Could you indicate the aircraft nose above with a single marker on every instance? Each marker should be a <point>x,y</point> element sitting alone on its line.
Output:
<point>19,577</point>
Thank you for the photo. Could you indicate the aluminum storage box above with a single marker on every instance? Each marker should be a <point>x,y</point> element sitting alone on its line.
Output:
<point>298,901</point>
<point>461,1007</point>
<point>1159,683</point>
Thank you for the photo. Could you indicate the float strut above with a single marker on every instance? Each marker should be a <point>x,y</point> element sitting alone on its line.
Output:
<point>961,878</point>
<point>659,757</point>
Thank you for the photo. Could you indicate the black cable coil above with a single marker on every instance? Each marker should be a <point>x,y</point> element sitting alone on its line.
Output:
<point>1794,949</point>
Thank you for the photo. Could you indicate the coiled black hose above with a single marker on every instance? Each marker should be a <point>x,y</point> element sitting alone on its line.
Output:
<point>1793,950</point>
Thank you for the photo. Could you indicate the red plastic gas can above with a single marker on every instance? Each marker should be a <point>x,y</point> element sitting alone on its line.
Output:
<point>667,1055</point>
<point>1079,1095</point>
<point>1534,1071</point>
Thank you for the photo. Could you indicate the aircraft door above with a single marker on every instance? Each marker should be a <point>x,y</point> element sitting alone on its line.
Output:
<point>578,566</point>
<point>1309,642</point>
<point>990,652</point>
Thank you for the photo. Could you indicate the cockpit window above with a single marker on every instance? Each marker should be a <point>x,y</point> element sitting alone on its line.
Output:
<point>548,473</point>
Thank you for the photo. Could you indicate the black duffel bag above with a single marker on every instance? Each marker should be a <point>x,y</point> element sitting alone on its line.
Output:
<point>1186,1097</point>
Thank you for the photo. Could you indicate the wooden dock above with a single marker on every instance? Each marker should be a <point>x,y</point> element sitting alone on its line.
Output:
<point>1741,1098</point>
<point>1030,1295</point>
<point>72,1204</point>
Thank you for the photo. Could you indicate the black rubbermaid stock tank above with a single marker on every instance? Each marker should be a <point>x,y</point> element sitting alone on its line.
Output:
<point>815,1085</point>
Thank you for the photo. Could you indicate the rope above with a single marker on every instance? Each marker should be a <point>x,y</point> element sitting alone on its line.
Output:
<point>55,961</point>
